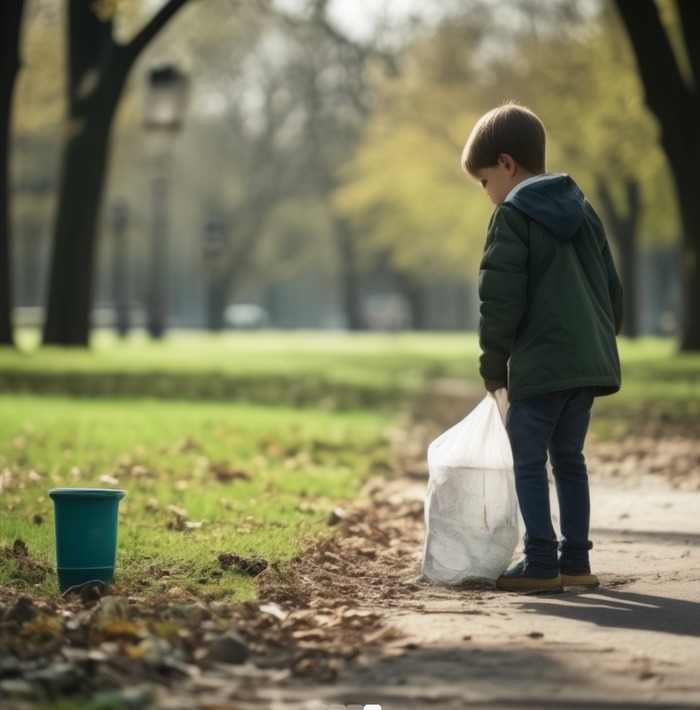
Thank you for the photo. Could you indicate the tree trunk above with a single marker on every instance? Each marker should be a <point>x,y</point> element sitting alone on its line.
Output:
<point>217,296</point>
<point>414,293</point>
<point>120,268</point>
<point>80,192</point>
<point>10,22</point>
<point>676,105</point>
<point>687,187</point>
<point>349,290</point>
<point>623,230</point>
<point>98,68</point>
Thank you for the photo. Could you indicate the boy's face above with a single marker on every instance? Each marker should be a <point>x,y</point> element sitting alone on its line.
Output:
<point>497,181</point>
<point>500,179</point>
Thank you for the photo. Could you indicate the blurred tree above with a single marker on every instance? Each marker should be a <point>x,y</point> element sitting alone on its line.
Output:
<point>287,95</point>
<point>668,58</point>
<point>38,107</point>
<point>602,147</point>
<point>555,63</point>
<point>10,23</point>
<point>98,66</point>
<point>330,79</point>
<point>404,191</point>
<point>265,116</point>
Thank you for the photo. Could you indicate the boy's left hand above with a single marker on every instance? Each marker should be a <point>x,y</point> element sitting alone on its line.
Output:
<point>493,385</point>
<point>501,397</point>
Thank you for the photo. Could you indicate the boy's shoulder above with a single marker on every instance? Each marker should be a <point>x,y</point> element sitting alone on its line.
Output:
<point>508,217</point>
<point>508,212</point>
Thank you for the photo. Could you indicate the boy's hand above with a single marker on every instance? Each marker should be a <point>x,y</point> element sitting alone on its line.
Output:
<point>493,385</point>
<point>501,397</point>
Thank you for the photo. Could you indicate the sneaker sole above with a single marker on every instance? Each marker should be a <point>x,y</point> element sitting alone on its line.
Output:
<point>529,585</point>
<point>580,580</point>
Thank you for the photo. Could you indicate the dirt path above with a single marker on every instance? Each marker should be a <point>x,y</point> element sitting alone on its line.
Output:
<point>633,643</point>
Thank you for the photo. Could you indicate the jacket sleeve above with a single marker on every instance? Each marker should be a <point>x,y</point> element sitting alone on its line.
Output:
<point>502,292</point>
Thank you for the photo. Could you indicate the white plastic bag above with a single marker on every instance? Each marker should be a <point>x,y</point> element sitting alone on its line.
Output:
<point>471,509</point>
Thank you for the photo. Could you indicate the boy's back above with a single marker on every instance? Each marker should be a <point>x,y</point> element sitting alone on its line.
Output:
<point>550,294</point>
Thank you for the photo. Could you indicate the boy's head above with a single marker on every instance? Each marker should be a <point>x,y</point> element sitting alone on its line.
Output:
<point>508,144</point>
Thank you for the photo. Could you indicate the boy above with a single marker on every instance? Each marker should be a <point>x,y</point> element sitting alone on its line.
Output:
<point>551,306</point>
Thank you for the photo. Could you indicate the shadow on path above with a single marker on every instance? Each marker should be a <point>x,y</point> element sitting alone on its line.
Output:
<point>448,677</point>
<point>661,536</point>
<point>625,610</point>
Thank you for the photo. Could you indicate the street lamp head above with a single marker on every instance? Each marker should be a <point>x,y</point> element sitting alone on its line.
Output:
<point>166,98</point>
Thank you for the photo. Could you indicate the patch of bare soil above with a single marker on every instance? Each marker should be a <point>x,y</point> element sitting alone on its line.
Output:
<point>673,458</point>
<point>18,555</point>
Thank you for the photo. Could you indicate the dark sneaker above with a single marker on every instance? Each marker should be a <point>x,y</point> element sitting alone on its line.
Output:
<point>577,573</point>
<point>579,579</point>
<point>527,578</point>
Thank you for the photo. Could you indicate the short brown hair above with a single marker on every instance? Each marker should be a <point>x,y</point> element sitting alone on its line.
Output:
<point>511,129</point>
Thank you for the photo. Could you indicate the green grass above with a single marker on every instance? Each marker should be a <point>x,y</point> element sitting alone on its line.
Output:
<point>348,358</point>
<point>142,416</point>
<point>337,355</point>
<point>333,370</point>
<point>202,479</point>
<point>660,392</point>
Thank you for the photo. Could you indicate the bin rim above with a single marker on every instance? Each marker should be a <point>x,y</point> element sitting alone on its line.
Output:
<point>87,493</point>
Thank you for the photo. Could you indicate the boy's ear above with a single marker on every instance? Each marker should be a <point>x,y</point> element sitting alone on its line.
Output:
<point>508,163</point>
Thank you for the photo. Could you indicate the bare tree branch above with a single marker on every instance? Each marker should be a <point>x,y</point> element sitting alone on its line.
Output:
<point>666,92</point>
<point>319,19</point>
<point>689,14</point>
<point>155,25</point>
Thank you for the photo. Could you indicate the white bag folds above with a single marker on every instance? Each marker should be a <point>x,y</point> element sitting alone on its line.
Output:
<point>471,509</point>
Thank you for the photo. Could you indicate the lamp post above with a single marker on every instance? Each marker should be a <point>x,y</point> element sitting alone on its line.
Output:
<point>33,185</point>
<point>214,252</point>
<point>164,110</point>
<point>120,267</point>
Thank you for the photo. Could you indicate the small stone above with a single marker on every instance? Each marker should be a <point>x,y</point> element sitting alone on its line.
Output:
<point>16,687</point>
<point>75,655</point>
<point>229,648</point>
<point>252,566</point>
<point>336,516</point>
<point>155,651</point>
<point>274,610</point>
<point>111,608</point>
<point>23,611</point>
<point>10,666</point>
<point>59,676</point>
<point>89,592</point>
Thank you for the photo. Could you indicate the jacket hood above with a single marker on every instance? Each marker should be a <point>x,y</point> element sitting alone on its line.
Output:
<point>555,201</point>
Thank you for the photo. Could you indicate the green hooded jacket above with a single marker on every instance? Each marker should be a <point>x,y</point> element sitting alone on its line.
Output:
<point>551,299</point>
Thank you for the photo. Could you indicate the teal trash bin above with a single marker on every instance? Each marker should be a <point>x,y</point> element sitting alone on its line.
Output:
<point>86,534</point>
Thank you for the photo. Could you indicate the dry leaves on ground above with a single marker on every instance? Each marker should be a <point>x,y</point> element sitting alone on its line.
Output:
<point>323,609</point>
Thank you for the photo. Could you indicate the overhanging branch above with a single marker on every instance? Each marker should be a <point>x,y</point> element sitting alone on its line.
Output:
<point>665,90</point>
<point>154,26</point>
<point>689,15</point>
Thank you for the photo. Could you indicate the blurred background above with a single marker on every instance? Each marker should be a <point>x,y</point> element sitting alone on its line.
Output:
<point>219,164</point>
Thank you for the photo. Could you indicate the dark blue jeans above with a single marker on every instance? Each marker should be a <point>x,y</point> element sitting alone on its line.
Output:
<point>556,422</point>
